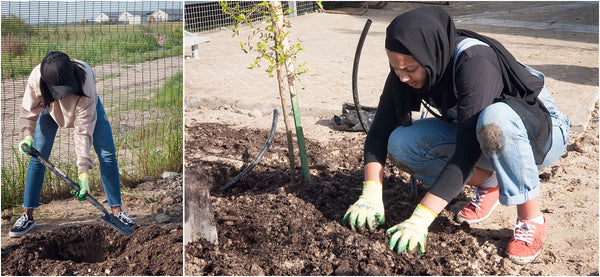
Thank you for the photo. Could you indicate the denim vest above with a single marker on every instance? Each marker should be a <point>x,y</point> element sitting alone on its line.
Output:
<point>540,148</point>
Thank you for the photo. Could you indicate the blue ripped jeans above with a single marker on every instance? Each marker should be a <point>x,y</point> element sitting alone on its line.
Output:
<point>427,145</point>
<point>43,140</point>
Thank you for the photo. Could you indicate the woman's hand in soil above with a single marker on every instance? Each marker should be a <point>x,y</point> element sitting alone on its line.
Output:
<point>368,209</point>
<point>28,140</point>
<point>412,232</point>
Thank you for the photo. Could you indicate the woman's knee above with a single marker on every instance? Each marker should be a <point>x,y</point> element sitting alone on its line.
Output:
<point>106,154</point>
<point>398,144</point>
<point>496,123</point>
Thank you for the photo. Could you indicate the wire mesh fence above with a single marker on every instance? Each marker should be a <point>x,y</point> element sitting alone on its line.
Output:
<point>206,16</point>
<point>135,49</point>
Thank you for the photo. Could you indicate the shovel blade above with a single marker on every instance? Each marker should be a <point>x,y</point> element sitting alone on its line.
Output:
<point>117,224</point>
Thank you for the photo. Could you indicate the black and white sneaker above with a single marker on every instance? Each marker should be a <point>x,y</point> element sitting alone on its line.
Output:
<point>23,225</point>
<point>122,216</point>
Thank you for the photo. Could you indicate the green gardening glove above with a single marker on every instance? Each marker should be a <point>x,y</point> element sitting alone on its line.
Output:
<point>412,232</point>
<point>28,140</point>
<point>84,186</point>
<point>368,209</point>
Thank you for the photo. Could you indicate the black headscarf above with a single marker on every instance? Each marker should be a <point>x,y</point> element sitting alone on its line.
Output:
<point>429,35</point>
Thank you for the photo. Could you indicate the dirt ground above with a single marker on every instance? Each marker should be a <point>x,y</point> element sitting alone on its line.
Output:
<point>267,226</point>
<point>70,238</point>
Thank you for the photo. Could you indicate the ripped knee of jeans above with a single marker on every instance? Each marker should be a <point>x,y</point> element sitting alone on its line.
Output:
<point>491,139</point>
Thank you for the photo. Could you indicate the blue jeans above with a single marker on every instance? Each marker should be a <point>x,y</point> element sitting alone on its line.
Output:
<point>43,140</point>
<point>426,146</point>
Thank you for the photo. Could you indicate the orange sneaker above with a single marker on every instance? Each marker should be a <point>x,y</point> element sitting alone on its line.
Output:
<point>527,241</point>
<point>480,207</point>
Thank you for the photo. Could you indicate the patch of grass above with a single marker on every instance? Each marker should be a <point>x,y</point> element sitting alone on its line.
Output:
<point>94,44</point>
<point>13,181</point>
<point>108,76</point>
<point>171,94</point>
<point>168,96</point>
<point>157,145</point>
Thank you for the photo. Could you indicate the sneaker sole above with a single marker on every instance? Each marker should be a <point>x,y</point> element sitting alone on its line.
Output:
<point>523,260</point>
<point>21,233</point>
<point>461,219</point>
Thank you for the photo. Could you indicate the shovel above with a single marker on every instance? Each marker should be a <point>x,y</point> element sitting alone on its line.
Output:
<point>108,218</point>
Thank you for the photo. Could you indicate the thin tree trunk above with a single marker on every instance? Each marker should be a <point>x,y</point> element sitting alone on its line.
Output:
<point>288,127</point>
<point>284,106</point>
<point>280,34</point>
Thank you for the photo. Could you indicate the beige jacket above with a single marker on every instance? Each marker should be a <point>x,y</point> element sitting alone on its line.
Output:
<point>70,112</point>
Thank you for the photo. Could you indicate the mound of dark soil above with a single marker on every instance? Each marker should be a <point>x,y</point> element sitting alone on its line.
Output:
<point>97,250</point>
<point>268,226</point>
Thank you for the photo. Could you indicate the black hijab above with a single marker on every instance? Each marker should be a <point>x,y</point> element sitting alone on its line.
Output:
<point>429,35</point>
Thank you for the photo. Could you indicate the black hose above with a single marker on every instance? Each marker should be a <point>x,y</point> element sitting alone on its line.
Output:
<point>257,159</point>
<point>361,41</point>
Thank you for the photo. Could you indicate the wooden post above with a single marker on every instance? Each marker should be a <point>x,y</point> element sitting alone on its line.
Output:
<point>198,218</point>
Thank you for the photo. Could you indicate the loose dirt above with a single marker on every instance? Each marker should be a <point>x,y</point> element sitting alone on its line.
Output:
<point>97,250</point>
<point>268,226</point>
<point>70,238</point>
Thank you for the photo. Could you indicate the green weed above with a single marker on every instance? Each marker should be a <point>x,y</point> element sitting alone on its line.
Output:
<point>157,145</point>
<point>107,76</point>
<point>13,181</point>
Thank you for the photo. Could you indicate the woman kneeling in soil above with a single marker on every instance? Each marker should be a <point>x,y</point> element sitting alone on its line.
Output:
<point>499,125</point>
<point>62,92</point>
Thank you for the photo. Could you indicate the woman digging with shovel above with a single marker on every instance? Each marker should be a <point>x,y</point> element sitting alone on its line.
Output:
<point>499,126</point>
<point>61,92</point>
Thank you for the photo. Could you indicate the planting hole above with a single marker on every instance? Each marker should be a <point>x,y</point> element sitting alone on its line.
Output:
<point>90,244</point>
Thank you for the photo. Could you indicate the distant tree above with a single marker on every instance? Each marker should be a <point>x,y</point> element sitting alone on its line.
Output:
<point>13,25</point>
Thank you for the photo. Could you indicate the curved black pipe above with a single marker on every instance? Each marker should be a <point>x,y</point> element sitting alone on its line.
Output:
<point>361,41</point>
<point>257,159</point>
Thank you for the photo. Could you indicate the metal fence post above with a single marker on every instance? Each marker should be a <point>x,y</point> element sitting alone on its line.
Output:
<point>294,8</point>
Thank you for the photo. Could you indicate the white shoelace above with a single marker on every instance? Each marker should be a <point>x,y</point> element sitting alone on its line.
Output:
<point>21,221</point>
<point>524,231</point>
<point>124,216</point>
<point>479,195</point>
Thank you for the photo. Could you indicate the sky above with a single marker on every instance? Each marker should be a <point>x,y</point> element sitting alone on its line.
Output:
<point>61,12</point>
